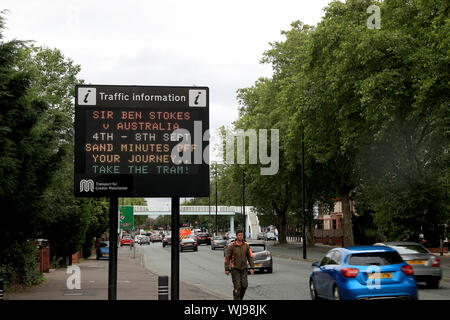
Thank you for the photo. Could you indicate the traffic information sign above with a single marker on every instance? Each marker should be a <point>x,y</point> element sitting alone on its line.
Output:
<point>139,141</point>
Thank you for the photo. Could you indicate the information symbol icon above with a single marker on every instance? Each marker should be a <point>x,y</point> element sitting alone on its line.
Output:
<point>197,98</point>
<point>87,96</point>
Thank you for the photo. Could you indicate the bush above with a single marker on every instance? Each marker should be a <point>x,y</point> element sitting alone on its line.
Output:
<point>18,265</point>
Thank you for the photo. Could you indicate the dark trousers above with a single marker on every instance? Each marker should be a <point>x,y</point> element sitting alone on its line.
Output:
<point>240,283</point>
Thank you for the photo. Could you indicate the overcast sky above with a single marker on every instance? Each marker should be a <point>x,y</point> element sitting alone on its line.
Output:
<point>210,43</point>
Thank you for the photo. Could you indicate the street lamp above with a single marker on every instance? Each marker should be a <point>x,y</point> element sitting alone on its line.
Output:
<point>243,187</point>
<point>243,201</point>
<point>216,200</point>
<point>303,196</point>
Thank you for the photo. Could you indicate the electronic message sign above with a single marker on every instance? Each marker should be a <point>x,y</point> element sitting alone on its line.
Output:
<point>135,141</point>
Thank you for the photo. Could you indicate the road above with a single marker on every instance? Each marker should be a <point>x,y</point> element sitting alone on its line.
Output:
<point>289,280</point>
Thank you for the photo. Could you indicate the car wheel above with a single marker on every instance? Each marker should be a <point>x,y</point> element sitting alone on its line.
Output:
<point>433,284</point>
<point>98,257</point>
<point>270,270</point>
<point>212,248</point>
<point>336,293</point>
<point>312,290</point>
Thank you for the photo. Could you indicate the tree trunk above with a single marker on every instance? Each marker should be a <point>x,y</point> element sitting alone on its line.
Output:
<point>310,225</point>
<point>282,223</point>
<point>347,221</point>
<point>310,241</point>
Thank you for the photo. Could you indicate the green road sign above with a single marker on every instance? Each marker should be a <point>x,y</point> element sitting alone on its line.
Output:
<point>126,217</point>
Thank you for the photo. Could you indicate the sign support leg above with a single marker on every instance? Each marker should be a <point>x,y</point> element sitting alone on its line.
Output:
<point>112,271</point>
<point>175,250</point>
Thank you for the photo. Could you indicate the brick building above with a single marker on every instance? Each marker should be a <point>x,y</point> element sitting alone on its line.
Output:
<point>329,223</point>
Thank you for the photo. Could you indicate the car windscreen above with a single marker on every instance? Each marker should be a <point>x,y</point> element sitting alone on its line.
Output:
<point>374,258</point>
<point>409,249</point>
<point>104,244</point>
<point>257,248</point>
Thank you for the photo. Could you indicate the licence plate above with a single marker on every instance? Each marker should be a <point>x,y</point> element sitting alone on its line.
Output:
<point>386,275</point>
<point>415,262</point>
<point>258,264</point>
<point>106,255</point>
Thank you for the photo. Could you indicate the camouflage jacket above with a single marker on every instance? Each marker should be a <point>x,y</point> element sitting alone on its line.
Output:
<point>237,256</point>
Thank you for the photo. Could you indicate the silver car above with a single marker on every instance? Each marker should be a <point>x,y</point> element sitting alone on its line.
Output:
<point>426,265</point>
<point>218,242</point>
<point>262,258</point>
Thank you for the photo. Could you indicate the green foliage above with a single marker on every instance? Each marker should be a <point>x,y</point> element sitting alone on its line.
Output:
<point>36,159</point>
<point>18,265</point>
<point>373,105</point>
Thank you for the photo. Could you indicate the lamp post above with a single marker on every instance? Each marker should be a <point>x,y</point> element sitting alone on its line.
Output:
<point>216,202</point>
<point>243,201</point>
<point>243,187</point>
<point>209,211</point>
<point>303,196</point>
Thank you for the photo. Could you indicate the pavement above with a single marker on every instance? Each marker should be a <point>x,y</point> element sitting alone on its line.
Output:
<point>135,282</point>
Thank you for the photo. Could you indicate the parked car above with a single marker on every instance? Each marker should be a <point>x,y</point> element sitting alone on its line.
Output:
<point>167,241</point>
<point>102,250</point>
<point>188,244</point>
<point>270,236</point>
<point>218,242</point>
<point>426,265</point>
<point>126,241</point>
<point>262,257</point>
<point>366,272</point>
<point>230,235</point>
<point>203,238</point>
<point>261,236</point>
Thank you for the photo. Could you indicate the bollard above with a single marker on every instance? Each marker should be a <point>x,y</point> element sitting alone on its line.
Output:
<point>163,288</point>
<point>1,289</point>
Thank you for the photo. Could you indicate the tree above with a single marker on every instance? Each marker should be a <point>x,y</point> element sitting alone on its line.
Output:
<point>405,101</point>
<point>373,107</point>
<point>288,59</point>
<point>260,109</point>
<point>29,154</point>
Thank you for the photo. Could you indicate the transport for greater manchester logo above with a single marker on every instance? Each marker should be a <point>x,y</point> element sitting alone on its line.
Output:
<point>86,185</point>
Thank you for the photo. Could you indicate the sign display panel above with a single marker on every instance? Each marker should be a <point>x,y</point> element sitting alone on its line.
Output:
<point>134,141</point>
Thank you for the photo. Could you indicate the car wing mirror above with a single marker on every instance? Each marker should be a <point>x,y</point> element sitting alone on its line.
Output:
<point>315,264</point>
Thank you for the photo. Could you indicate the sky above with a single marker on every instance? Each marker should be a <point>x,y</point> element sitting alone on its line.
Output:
<point>210,43</point>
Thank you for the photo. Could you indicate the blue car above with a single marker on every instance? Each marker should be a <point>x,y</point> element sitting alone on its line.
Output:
<point>366,272</point>
<point>103,250</point>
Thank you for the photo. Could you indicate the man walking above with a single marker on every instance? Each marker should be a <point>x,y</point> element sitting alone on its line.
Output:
<point>237,256</point>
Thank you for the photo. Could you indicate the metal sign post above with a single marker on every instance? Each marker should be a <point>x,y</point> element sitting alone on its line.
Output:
<point>112,271</point>
<point>175,250</point>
